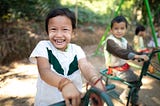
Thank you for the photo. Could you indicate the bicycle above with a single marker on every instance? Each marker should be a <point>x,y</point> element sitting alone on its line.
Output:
<point>144,72</point>
<point>105,96</point>
<point>93,96</point>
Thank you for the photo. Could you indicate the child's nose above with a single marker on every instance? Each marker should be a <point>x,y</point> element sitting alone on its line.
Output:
<point>119,30</point>
<point>59,33</point>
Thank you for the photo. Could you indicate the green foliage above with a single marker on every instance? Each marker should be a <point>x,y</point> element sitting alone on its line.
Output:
<point>20,20</point>
<point>91,11</point>
<point>154,6</point>
<point>88,16</point>
<point>12,10</point>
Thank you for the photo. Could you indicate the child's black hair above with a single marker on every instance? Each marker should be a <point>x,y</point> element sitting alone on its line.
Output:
<point>139,28</point>
<point>62,12</point>
<point>119,19</point>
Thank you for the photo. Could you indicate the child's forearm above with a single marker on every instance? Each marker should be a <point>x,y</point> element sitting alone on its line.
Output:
<point>50,77</point>
<point>88,71</point>
<point>46,73</point>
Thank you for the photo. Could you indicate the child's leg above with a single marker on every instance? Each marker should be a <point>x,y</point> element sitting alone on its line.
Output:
<point>123,96</point>
<point>135,96</point>
<point>129,76</point>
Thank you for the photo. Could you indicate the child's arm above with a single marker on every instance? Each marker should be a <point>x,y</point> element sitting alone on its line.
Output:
<point>135,39</point>
<point>144,57</point>
<point>45,72</point>
<point>90,74</point>
<point>55,80</point>
<point>116,50</point>
<point>127,54</point>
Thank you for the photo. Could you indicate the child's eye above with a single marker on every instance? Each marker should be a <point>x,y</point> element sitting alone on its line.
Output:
<point>53,29</point>
<point>116,28</point>
<point>65,29</point>
<point>122,28</point>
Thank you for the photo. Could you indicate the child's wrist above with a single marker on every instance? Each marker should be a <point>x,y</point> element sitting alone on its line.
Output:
<point>63,82</point>
<point>95,79</point>
<point>136,56</point>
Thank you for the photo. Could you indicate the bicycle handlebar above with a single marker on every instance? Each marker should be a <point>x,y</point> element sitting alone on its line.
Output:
<point>147,63</point>
<point>85,99</point>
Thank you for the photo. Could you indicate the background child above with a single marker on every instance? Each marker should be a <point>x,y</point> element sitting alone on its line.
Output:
<point>138,40</point>
<point>61,63</point>
<point>117,52</point>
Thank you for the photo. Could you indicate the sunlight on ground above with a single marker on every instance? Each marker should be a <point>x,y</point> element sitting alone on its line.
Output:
<point>21,82</point>
<point>147,83</point>
<point>20,85</point>
<point>15,87</point>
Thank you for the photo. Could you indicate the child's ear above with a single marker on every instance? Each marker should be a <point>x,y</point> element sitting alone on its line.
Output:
<point>74,33</point>
<point>110,32</point>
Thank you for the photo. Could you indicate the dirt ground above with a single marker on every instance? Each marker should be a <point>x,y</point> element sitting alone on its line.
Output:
<point>18,84</point>
<point>18,81</point>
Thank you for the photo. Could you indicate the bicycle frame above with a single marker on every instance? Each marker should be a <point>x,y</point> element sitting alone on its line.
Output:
<point>139,83</point>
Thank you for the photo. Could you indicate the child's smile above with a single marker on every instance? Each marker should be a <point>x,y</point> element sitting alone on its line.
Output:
<point>60,31</point>
<point>119,29</point>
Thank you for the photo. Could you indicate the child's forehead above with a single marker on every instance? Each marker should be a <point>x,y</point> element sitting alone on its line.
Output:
<point>119,24</point>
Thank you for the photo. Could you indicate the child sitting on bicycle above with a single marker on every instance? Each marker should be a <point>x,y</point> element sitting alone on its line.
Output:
<point>117,51</point>
<point>60,63</point>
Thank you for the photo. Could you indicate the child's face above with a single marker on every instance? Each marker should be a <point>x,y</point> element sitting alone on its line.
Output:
<point>119,29</point>
<point>142,33</point>
<point>60,31</point>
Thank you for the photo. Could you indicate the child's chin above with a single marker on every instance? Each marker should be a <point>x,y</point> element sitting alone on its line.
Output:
<point>61,48</point>
<point>118,36</point>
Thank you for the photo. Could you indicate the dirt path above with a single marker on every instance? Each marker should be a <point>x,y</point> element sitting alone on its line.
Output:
<point>18,85</point>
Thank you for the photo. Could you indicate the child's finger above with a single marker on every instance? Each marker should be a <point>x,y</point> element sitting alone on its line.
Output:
<point>67,102</point>
<point>75,102</point>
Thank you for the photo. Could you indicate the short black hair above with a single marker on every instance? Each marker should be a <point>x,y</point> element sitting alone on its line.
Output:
<point>139,28</point>
<point>62,12</point>
<point>119,19</point>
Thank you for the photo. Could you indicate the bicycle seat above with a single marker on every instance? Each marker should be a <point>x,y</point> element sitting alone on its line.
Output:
<point>104,73</point>
<point>109,76</point>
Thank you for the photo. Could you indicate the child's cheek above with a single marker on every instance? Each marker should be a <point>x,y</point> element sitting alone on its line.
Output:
<point>51,34</point>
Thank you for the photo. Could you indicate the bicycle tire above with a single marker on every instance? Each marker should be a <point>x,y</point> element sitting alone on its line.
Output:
<point>102,94</point>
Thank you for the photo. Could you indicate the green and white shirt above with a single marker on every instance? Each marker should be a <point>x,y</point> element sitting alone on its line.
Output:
<point>64,63</point>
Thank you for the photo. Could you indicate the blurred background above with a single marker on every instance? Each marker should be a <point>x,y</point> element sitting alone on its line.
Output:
<point>22,22</point>
<point>22,27</point>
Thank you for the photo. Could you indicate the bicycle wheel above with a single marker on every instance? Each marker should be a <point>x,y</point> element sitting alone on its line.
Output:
<point>96,97</point>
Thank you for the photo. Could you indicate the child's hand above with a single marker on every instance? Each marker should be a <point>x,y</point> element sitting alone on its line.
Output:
<point>100,85</point>
<point>71,95</point>
<point>144,57</point>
